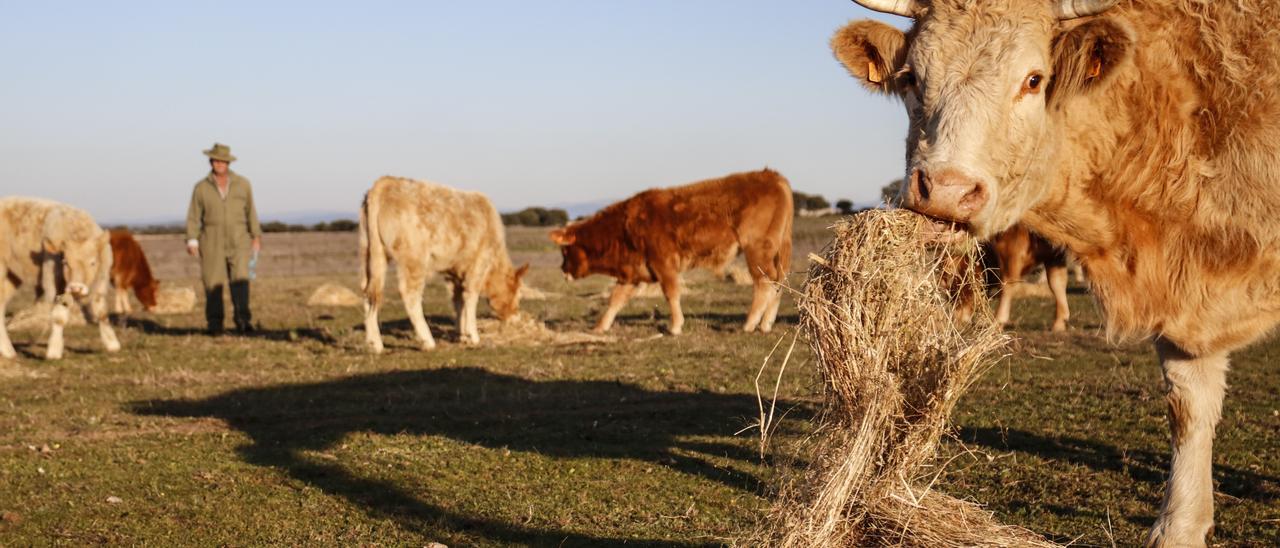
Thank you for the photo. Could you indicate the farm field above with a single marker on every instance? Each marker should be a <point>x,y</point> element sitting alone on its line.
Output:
<point>297,436</point>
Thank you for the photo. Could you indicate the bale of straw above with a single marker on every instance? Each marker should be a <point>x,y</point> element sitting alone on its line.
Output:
<point>738,274</point>
<point>332,294</point>
<point>174,300</point>
<point>879,311</point>
<point>37,317</point>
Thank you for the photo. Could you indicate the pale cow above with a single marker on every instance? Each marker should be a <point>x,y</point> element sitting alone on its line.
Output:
<point>1143,136</point>
<point>428,228</point>
<point>65,254</point>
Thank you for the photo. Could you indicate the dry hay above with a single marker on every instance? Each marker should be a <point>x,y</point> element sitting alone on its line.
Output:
<point>524,329</point>
<point>877,311</point>
<point>332,294</point>
<point>738,274</point>
<point>530,293</point>
<point>174,300</point>
<point>36,317</point>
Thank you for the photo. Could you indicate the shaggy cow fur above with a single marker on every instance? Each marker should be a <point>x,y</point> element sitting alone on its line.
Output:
<point>659,233</point>
<point>130,270</point>
<point>1146,140</point>
<point>427,228</point>
<point>65,254</point>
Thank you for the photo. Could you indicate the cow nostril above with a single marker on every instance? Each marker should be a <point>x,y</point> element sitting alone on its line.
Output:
<point>975,198</point>
<point>922,184</point>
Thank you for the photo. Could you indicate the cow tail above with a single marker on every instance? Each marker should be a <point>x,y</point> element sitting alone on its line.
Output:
<point>372,254</point>
<point>782,261</point>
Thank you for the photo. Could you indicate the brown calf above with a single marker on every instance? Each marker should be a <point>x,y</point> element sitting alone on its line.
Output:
<point>657,234</point>
<point>130,270</point>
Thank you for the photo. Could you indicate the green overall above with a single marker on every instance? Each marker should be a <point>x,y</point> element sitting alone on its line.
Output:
<point>225,228</point>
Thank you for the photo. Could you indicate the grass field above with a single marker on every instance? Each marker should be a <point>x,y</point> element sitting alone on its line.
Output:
<point>298,437</point>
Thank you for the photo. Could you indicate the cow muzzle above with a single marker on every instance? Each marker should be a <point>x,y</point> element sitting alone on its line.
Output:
<point>78,289</point>
<point>946,195</point>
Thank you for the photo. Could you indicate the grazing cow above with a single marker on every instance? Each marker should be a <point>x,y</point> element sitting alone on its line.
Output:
<point>659,233</point>
<point>61,251</point>
<point>1017,251</point>
<point>427,228</point>
<point>1143,136</point>
<point>129,269</point>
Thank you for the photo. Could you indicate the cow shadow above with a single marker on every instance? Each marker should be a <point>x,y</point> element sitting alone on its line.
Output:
<point>556,418</point>
<point>1141,465</point>
<point>151,327</point>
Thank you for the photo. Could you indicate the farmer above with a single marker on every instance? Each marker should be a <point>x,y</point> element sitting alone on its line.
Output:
<point>222,226</point>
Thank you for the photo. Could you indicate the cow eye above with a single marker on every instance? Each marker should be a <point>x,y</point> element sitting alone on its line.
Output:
<point>1032,83</point>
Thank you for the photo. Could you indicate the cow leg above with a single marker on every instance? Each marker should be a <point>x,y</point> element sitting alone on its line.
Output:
<point>771,313</point>
<point>761,264</point>
<point>470,300</point>
<point>671,289</point>
<point>1194,388</point>
<point>411,284</point>
<point>459,305</point>
<point>617,299</point>
<point>372,331</point>
<point>7,289</point>
<point>98,311</point>
<point>1057,276</point>
<point>58,317</point>
<point>1011,272</point>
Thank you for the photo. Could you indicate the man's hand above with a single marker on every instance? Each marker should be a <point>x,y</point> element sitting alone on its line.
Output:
<point>193,247</point>
<point>257,244</point>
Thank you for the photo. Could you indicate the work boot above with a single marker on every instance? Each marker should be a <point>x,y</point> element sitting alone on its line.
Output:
<point>240,303</point>
<point>213,311</point>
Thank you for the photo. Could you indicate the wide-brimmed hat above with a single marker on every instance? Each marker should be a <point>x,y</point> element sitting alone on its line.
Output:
<point>220,152</point>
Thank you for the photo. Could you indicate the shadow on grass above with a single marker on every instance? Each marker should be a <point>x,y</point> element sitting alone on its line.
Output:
<point>570,419</point>
<point>1144,466</point>
<point>151,327</point>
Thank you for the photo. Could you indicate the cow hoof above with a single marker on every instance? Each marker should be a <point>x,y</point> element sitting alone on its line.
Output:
<point>1059,327</point>
<point>675,330</point>
<point>1163,535</point>
<point>766,328</point>
<point>599,330</point>
<point>113,347</point>
<point>53,355</point>
<point>428,346</point>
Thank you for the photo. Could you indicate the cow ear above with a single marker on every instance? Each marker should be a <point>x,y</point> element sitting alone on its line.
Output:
<point>562,236</point>
<point>51,246</point>
<point>1088,56</point>
<point>872,52</point>
<point>520,272</point>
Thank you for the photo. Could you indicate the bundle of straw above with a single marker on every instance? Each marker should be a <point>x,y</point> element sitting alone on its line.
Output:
<point>879,310</point>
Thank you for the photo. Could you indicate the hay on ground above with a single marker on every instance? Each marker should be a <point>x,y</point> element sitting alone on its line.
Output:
<point>524,329</point>
<point>530,293</point>
<point>36,317</point>
<point>332,294</point>
<point>174,300</point>
<point>738,274</point>
<point>878,312</point>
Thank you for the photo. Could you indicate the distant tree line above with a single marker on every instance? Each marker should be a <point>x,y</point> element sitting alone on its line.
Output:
<point>340,225</point>
<point>536,216</point>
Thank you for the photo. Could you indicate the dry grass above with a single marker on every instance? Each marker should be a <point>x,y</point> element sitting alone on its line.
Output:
<point>524,329</point>
<point>894,360</point>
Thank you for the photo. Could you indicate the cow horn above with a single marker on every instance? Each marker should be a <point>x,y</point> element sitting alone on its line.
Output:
<point>905,8</point>
<point>1071,9</point>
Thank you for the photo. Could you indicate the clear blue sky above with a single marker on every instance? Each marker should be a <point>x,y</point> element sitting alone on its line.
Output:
<point>107,105</point>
